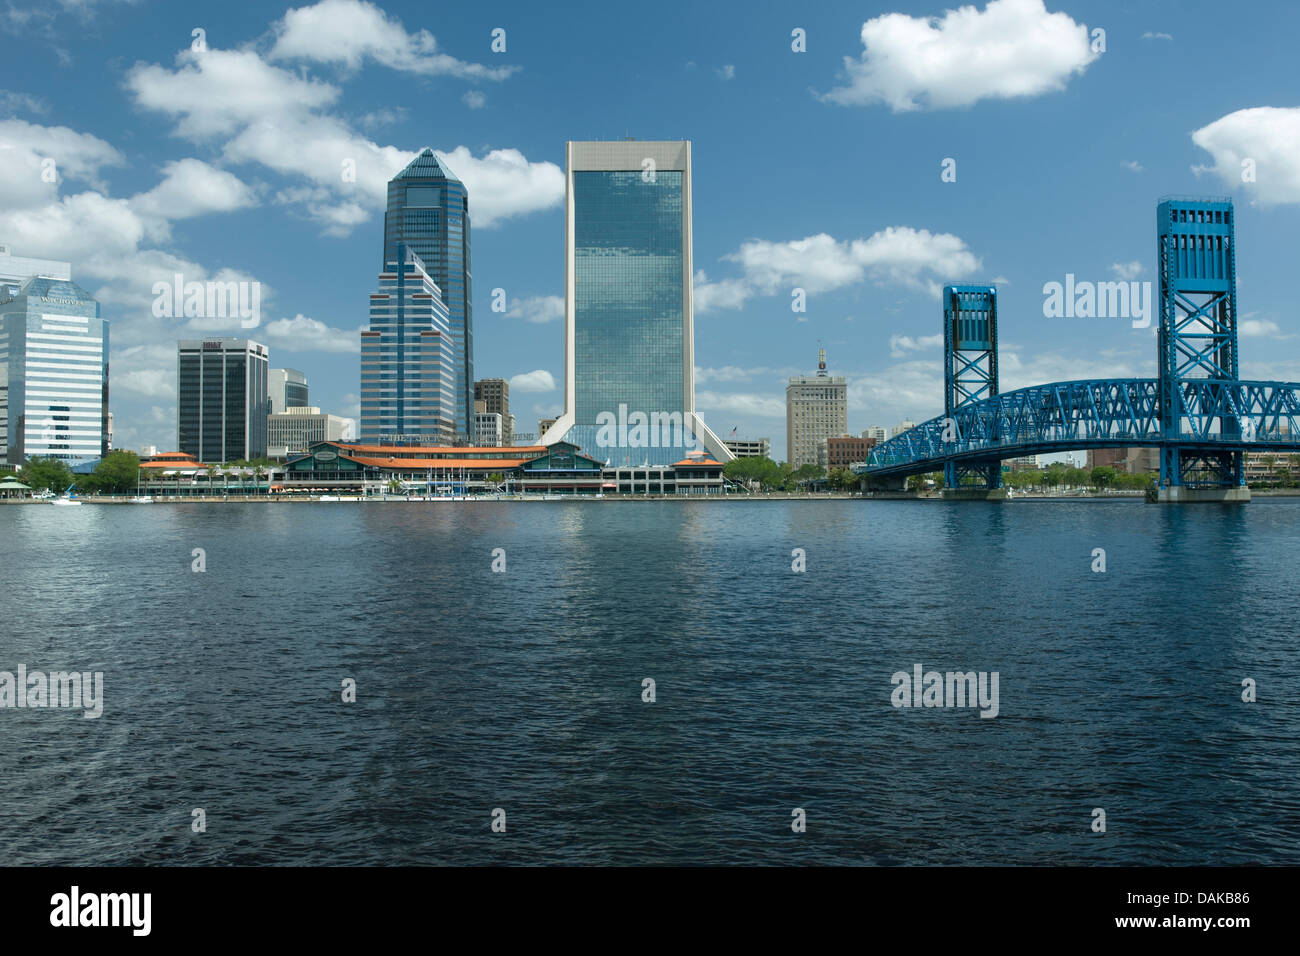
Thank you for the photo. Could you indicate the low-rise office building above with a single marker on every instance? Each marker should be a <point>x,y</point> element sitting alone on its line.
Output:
<point>294,430</point>
<point>846,451</point>
<point>749,447</point>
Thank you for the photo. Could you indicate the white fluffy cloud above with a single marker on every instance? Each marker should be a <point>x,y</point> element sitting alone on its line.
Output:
<point>538,380</point>
<point>1258,329</point>
<point>504,183</point>
<point>1012,48</point>
<point>31,154</point>
<point>301,334</point>
<point>1264,140</point>
<point>728,373</point>
<point>899,345</point>
<point>741,403</point>
<point>273,117</point>
<point>191,187</point>
<point>348,32</point>
<point>218,92</point>
<point>537,308</point>
<point>899,254</point>
<point>1126,270</point>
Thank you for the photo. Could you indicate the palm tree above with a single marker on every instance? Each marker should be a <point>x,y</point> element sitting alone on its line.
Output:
<point>1268,461</point>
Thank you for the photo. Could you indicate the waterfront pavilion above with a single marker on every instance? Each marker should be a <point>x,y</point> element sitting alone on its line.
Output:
<point>12,488</point>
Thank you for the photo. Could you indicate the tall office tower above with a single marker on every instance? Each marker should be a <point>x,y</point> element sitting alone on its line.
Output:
<point>408,376</point>
<point>816,408</point>
<point>494,393</point>
<point>287,388</point>
<point>221,399</point>
<point>53,369</point>
<point>629,326</point>
<point>428,212</point>
<point>877,433</point>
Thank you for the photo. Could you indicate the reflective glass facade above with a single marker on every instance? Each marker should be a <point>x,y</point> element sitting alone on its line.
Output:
<point>428,212</point>
<point>628,303</point>
<point>53,372</point>
<point>288,389</point>
<point>408,375</point>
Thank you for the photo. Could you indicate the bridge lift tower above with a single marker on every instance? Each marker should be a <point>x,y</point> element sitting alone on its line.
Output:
<point>970,371</point>
<point>1198,341</point>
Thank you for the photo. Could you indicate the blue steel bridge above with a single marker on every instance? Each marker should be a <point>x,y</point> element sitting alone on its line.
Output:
<point>1197,412</point>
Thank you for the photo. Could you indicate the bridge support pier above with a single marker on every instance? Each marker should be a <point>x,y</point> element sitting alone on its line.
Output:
<point>1182,495</point>
<point>974,494</point>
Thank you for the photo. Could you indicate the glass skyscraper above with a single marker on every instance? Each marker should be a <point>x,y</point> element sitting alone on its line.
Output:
<point>428,213</point>
<point>287,388</point>
<point>408,379</point>
<point>221,399</point>
<point>629,323</point>
<point>53,371</point>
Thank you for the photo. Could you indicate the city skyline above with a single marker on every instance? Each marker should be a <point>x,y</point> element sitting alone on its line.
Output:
<point>163,167</point>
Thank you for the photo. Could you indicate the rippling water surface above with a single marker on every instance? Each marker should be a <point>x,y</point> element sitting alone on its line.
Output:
<point>522,690</point>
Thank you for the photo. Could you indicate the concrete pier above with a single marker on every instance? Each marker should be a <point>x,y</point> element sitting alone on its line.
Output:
<point>974,494</point>
<point>1239,495</point>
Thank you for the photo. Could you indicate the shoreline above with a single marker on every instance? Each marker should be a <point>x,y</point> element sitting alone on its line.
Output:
<point>551,499</point>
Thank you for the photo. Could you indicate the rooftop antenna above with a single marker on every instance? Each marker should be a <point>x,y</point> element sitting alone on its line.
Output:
<point>821,360</point>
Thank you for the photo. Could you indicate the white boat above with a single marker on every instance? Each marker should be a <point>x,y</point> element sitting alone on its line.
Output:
<point>140,499</point>
<point>66,499</point>
<point>328,498</point>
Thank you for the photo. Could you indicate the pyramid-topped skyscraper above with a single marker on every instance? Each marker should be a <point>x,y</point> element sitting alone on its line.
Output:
<point>428,214</point>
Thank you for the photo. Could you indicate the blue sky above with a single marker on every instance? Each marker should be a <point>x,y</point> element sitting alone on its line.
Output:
<point>819,170</point>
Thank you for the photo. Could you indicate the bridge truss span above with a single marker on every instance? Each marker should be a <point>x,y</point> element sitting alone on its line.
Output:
<point>1214,416</point>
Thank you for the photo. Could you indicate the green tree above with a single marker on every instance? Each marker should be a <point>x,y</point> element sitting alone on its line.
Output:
<point>1103,476</point>
<point>842,479</point>
<point>116,472</point>
<point>45,474</point>
<point>1268,461</point>
<point>806,474</point>
<point>923,482</point>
